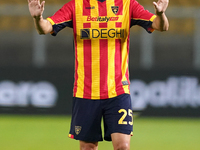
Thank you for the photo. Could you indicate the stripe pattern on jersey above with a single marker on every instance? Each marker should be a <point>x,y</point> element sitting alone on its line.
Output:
<point>101,38</point>
<point>94,79</point>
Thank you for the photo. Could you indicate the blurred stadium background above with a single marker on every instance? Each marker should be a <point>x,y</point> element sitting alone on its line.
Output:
<point>36,80</point>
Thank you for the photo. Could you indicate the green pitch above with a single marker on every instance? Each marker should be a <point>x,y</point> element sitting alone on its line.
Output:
<point>50,133</point>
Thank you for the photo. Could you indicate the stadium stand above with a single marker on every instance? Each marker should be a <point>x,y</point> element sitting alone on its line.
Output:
<point>24,23</point>
<point>25,1</point>
<point>143,2</point>
<point>180,29</point>
<point>173,2</point>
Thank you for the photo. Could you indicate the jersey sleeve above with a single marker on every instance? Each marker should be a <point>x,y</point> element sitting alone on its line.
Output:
<point>62,18</point>
<point>141,17</point>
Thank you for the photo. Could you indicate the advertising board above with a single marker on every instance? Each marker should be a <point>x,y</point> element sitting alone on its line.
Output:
<point>49,91</point>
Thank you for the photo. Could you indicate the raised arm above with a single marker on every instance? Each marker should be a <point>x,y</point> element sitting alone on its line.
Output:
<point>36,9</point>
<point>160,23</point>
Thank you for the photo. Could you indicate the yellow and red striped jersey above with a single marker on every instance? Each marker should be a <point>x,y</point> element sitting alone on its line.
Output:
<point>101,36</point>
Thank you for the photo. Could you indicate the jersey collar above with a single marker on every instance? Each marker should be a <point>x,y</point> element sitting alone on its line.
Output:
<point>101,0</point>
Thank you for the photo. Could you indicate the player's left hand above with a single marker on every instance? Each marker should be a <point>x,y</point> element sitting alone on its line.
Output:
<point>161,6</point>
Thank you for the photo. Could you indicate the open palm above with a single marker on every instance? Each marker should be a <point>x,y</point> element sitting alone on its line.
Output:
<point>161,6</point>
<point>36,8</point>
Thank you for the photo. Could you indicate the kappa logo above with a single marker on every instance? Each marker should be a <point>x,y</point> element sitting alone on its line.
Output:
<point>115,9</point>
<point>78,129</point>
<point>125,83</point>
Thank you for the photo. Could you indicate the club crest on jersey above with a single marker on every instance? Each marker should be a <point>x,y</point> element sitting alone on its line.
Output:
<point>115,9</point>
<point>77,129</point>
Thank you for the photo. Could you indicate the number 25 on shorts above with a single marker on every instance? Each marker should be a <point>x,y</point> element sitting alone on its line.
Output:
<point>130,114</point>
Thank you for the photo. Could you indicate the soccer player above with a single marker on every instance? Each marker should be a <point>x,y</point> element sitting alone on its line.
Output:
<point>101,89</point>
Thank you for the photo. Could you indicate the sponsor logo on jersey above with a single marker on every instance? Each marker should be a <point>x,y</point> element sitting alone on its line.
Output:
<point>115,9</point>
<point>102,33</point>
<point>85,33</point>
<point>102,19</point>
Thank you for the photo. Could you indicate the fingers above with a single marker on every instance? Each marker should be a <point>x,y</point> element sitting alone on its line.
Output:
<point>155,5</point>
<point>29,1</point>
<point>42,4</point>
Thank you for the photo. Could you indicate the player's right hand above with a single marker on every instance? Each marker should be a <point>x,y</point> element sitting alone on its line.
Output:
<point>36,8</point>
<point>161,6</point>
